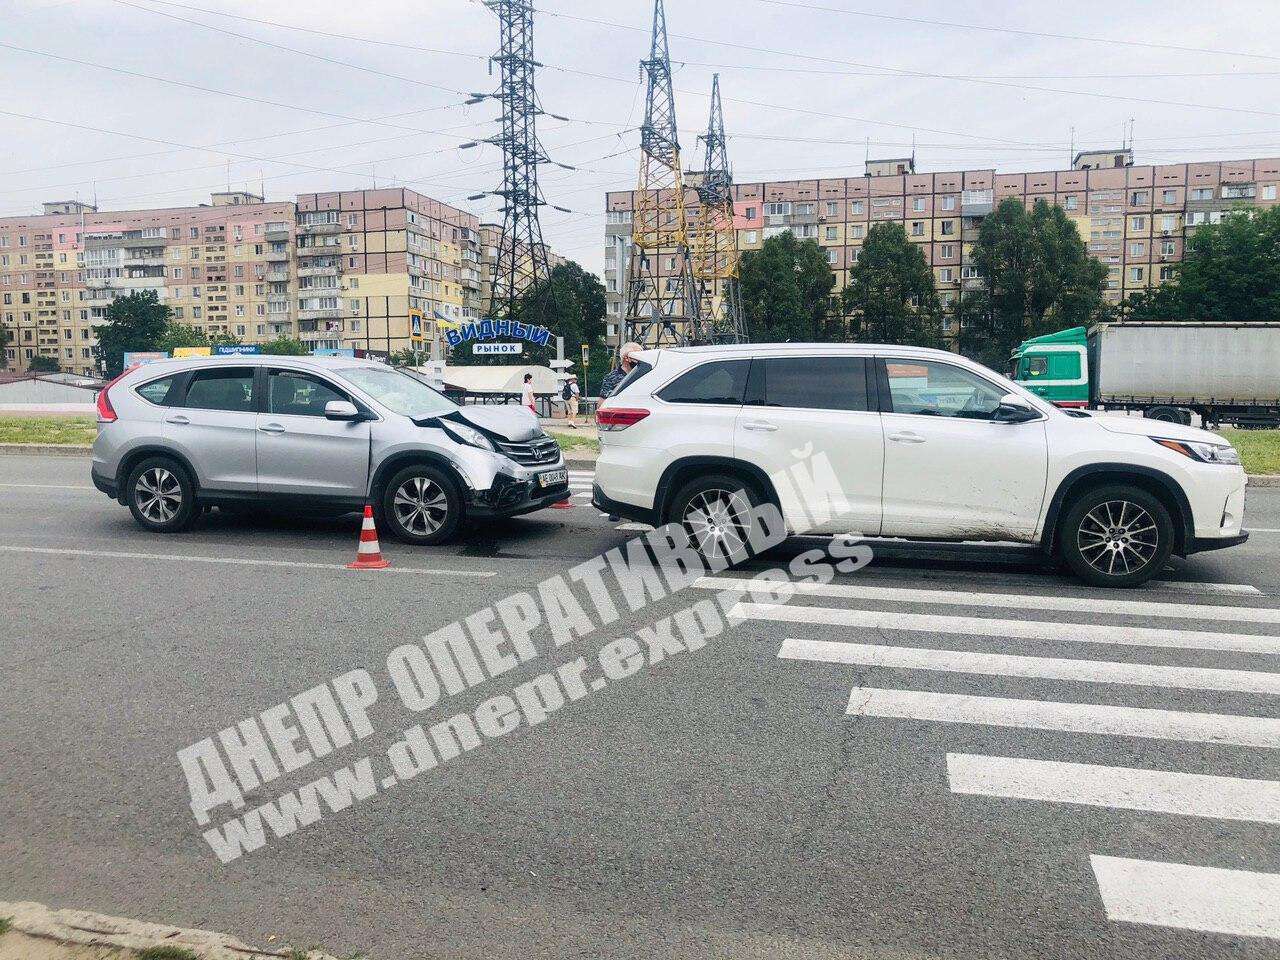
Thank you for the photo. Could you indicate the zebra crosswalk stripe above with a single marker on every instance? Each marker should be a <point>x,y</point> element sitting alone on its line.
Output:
<point>1125,788</point>
<point>1047,668</point>
<point>1187,897</point>
<point>1006,601</point>
<point>1091,718</point>
<point>1010,629</point>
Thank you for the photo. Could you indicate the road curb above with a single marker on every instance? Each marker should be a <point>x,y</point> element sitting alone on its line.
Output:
<point>44,450</point>
<point>37,930</point>
<point>1264,479</point>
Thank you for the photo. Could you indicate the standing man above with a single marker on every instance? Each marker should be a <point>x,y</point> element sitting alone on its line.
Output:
<point>626,361</point>
<point>571,399</point>
<point>526,394</point>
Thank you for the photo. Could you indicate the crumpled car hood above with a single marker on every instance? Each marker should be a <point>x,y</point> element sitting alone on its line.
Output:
<point>509,421</point>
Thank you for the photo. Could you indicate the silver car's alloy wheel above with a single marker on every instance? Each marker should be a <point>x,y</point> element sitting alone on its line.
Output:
<point>718,521</point>
<point>159,495</point>
<point>1117,537</point>
<point>421,506</point>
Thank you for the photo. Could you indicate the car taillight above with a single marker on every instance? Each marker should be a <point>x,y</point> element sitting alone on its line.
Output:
<point>106,412</point>
<point>619,418</point>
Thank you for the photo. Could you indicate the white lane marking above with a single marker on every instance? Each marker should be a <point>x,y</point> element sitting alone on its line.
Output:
<point>1011,629</point>
<point>581,496</point>
<point>1264,529</point>
<point>1191,586</point>
<point>632,526</point>
<point>236,561</point>
<point>1005,601</point>
<point>1092,718</point>
<point>1187,897</point>
<point>47,486</point>
<point>1045,668</point>
<point>1124,788</point>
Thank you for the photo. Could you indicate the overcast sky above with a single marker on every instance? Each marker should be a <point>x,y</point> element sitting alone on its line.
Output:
<point>806,84</point>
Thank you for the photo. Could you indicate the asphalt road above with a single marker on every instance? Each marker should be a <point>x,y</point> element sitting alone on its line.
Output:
<point>801,787</point>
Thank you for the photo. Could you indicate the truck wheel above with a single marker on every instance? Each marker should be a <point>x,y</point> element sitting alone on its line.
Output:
<point>1116,536</point>
<point>1164,414</point>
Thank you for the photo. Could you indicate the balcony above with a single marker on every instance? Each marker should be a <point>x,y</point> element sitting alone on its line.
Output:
<point>278,256</point>
<point>314,269</point>
<point>321,313</point>
<point>278,276</point>
<point>273,233</point>
<point>976,203</point>
<point>317,229</point>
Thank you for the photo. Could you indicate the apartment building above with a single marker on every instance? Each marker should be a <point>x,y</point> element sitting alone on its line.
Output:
<point>374,269</point>
<point>1134,219</point>
<point>223,268</point>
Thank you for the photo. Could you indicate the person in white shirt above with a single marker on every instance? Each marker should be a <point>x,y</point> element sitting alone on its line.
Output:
<point>571,401</point>
<point>526,394</point>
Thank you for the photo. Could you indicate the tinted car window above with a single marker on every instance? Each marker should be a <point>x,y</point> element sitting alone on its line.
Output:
<point>724,381</point>
<point>637,371</point>
<point>298,395</point>
<point>817,383</point>
<point>933,389</point>
<point>157,390</point>
<point>230,389</point>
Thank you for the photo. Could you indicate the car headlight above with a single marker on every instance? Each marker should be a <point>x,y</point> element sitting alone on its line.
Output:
<point>468,435</point>
<point>1203,452</point>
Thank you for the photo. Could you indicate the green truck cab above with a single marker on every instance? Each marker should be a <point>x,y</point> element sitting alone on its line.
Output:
<point>1055,366</point>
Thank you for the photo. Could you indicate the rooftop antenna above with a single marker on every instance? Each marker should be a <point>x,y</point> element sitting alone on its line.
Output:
<point>1071,149</point>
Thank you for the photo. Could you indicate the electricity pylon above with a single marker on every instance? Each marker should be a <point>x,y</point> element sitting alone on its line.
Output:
<point>713,240</point>
<point>522,258</point>
<point>662,296</point>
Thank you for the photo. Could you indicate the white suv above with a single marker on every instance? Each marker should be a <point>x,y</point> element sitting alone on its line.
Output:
<point>924,444</point>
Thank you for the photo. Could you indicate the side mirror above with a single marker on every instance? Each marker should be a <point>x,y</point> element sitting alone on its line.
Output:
<point>1014,409</point>
<point>341,410</point>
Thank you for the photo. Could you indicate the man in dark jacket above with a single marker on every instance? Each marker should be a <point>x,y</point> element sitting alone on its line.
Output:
<point>626,361</point>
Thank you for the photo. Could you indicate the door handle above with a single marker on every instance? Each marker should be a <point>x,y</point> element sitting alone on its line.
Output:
<point>177,419</point>
<point>906,437</point>
<point>271,428</point>
<point>760,426</point>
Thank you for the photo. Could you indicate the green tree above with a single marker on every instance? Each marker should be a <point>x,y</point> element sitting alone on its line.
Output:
<point>891,297</point>
<point>286,347</point>
<point>5,337</point>
<point>137,322</point>
<point>1037,277</point>
<point>177,336</point>
<point>786,291</point>
<point>570,303</point>
<point>1230,271</point>
<point>42,364</point>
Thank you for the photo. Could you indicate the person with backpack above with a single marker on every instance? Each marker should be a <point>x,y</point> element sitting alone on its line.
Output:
<point>570,394</point>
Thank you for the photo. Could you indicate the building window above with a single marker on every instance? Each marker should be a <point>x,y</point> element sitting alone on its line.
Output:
<point>833,208</point>
<point>1168,248</point>
<point>1138,223</point>
<point>752,213</point>
<point>1072,203</point>
<point>947,251</point>
<point>1135,249</point>
<point>948,203</point>
<point>1168,196</point>
<point>832,256</point>
<point>1269,191</point>
<point>917,228</point>
<point>1202,193</point>
<point>946,275</point>
<point>856,206</point>
<point>1137,273</point>
<point>917,204</point>
<point>1168,223</point>
<point>1137,198</point>
<point>856,231</point>
<point>833,233</point>
<point>948,227</point>
<point>753,236</point>
<point>1166,273</point>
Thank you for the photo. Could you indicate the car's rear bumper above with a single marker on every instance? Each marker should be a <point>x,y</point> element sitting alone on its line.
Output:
<point>1201,544</point>
<point>106,484</point>
<point>617,508</point>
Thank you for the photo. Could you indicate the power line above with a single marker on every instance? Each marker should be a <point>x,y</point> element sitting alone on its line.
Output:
<point>925,75</point>
<point>925,21</point>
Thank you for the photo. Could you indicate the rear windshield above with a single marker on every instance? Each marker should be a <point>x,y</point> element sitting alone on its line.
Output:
<point>638,371</point>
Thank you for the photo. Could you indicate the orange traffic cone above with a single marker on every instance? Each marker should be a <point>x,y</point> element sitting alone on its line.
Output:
<point>368,553</point>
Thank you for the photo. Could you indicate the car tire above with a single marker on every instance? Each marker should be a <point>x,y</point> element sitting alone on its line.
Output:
<point>1116,536</point>
<point>1164,414</point>
<point>421,505</point>
<point>716,512</point>
<point>161,495</point>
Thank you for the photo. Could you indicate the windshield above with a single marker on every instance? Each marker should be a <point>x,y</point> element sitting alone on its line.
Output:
<point>399,392</point>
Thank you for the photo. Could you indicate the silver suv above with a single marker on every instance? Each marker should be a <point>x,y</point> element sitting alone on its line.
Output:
<point>178,437</point>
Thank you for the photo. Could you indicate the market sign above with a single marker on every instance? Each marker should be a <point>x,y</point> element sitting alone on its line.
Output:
<point>237,350</point>
<point>497,349</point>
<point>493,329</point>
<point>192,352</point>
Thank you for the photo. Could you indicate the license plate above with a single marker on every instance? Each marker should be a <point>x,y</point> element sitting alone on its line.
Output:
<point>553,478</point>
